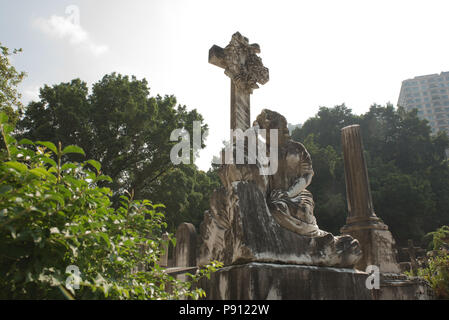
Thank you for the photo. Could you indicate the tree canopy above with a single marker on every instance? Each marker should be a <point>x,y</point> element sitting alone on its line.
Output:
<point>128,131</point>
<point>408,171</point>
<point>10,78</point>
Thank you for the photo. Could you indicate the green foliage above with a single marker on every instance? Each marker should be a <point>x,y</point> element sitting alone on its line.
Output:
<point>10,78</point>
<point>53,214</point>
<point>408,172</point>
<point>437,271</point>
<point>128,132</point>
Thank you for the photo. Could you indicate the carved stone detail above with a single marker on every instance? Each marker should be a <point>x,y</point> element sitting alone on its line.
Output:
<point>245,68</point>
<point>243,65</point>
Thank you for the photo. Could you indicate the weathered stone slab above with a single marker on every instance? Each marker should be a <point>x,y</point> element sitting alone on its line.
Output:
<point>264,281</point>
<point>401,287</point>
<point>243,230</point>
<point>185,250</point>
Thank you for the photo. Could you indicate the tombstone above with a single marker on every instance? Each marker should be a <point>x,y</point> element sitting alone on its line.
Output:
<point>163,262</point>
<point>378,245</point>
<point>185,249</point>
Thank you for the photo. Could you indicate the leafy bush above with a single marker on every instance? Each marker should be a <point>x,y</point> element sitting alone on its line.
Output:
<point>437,271</point>
<point>53,215</point>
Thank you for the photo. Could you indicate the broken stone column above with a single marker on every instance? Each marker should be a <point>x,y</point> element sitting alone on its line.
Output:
<point>378,245</point>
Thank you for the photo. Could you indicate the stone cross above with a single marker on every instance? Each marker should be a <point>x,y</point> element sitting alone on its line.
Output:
<point>245,68</point>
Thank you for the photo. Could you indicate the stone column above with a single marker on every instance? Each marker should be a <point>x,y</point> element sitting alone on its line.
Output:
<point>377,242</point>
<point>358,191</point>
<point>240,108</point>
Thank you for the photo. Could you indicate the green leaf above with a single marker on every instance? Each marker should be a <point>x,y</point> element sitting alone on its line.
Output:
<point>49,145</point>
<point>49,161</point>
<point>26,141</point>
<point>73,149</point>
<point>16,166</point>
<point>3,118</point>
<point>103,178</point>
<point>40,172</point>
<point>5,188</point>
<point>69,165</point>
<point>95,164</point>
<point>7,128</point>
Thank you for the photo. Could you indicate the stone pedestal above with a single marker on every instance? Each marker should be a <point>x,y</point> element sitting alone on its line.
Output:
<point>266,281</point>
<point>377,248</point>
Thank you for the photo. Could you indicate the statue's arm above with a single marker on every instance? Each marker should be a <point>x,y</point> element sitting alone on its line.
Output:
<point>299,185</point>
<point>303,181</point>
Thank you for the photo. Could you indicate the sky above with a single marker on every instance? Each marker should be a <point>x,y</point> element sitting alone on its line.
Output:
<point>320,53</point>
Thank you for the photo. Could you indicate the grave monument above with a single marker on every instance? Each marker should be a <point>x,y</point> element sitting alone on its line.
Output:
<point>262,226</point>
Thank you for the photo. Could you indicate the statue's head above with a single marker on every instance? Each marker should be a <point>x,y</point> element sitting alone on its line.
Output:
<point>268,120</point>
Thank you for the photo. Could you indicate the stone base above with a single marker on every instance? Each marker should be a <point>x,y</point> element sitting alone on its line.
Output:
<point>401,287</point>
<point>266,281</point>
<point>378,247</point>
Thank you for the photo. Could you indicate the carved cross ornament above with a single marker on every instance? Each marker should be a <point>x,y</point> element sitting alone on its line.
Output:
<point>241,63</point>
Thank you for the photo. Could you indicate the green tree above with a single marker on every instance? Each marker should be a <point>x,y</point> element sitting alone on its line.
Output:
<point>408,172</point>
<point>53,215</point>
<point>128,131</point>
<point>10,78</point>
<point>437,270</point>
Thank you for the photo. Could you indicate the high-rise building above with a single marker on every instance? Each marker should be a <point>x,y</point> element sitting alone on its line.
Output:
<point>430,96</point>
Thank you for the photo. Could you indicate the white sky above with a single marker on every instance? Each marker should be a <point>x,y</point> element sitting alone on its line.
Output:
<point>320,53</point>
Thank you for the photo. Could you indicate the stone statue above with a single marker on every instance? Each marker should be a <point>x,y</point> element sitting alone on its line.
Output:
<point>289,201</point>
<point>270,218</point>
